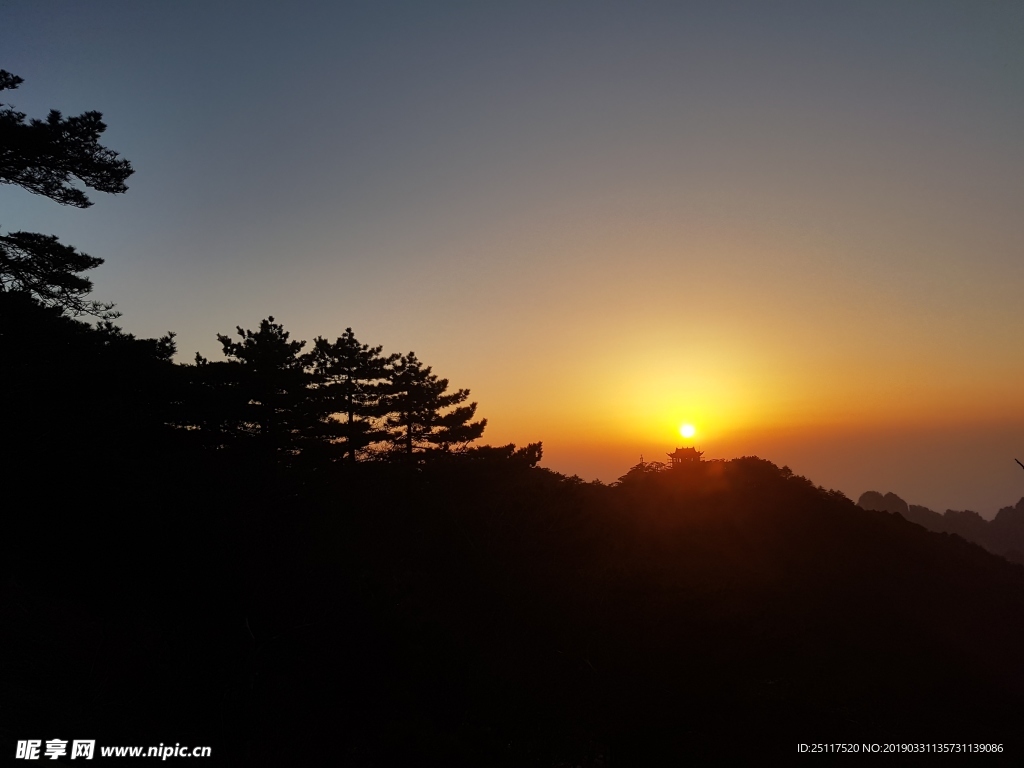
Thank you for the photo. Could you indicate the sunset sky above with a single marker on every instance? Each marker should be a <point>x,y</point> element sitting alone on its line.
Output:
<point>797,226</point>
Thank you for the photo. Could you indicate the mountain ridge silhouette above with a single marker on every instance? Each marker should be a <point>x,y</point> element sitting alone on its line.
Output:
<point>1003,535</point>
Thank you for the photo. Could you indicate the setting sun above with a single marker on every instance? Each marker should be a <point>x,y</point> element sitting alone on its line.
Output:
<point>687,430</point>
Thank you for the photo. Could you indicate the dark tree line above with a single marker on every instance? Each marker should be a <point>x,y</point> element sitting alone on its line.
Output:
<point>341,400</point>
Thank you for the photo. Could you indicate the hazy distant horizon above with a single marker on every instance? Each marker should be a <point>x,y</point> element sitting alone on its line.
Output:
<point>852,465</point>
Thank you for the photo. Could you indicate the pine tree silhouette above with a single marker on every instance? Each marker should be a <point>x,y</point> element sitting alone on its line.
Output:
<point>419,421</point>
<point>351,379</point>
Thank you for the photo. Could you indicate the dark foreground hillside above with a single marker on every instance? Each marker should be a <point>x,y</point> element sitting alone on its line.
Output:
<point>492,613</point>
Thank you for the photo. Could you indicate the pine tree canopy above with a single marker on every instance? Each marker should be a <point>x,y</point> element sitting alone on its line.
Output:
<point>261,391</point>
<point>350,381</point>
<point>46,156</point>
<point>419,420</point>
<point>49,271</point>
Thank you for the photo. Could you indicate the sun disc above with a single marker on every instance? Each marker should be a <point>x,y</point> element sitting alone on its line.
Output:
<point>687,430</point>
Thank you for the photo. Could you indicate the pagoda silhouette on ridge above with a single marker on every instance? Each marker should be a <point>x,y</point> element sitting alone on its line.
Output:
<point>685,457</point>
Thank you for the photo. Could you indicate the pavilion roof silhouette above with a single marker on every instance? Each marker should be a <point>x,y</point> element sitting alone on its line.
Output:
<point>685,455</point>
